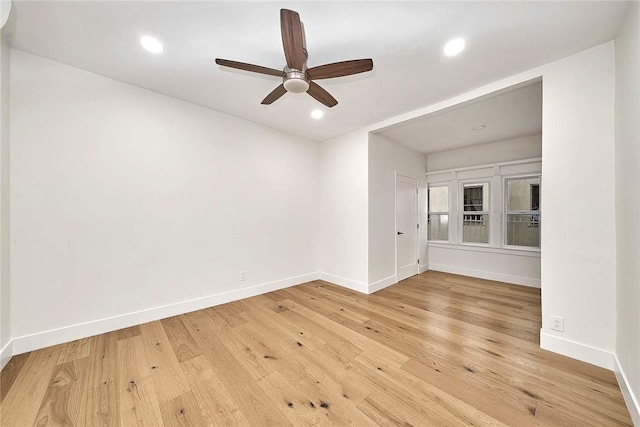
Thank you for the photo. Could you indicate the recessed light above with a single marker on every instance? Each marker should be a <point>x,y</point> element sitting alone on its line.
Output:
<point>454,47</point>
<point>151,44</point>
<point>479,127</point>
<point>317,114</point>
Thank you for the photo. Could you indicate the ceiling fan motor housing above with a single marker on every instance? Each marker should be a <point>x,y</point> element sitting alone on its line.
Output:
<point>295,81</point>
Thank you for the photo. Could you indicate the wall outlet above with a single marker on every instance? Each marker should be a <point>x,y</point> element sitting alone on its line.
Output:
<point>243,275</point>
<point>557,323</point>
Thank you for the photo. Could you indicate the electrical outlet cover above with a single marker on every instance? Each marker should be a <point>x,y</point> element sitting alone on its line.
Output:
<point>557,323</point>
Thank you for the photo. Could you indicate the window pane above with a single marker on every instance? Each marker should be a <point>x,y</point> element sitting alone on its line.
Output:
<point>438,228</point>
<point>523,194</point>
<point>439,199</point>
<point>476,197</point>
<point>475,228</point>
<point>523,230</point>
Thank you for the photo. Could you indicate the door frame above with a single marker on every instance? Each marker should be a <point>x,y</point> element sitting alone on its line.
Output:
<point>395,221</point>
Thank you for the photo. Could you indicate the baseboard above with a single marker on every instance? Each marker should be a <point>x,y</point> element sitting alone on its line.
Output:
<point>6,354</point>
<point>423,268</point>
<point>381,284</point>
<point>489,275</point>
<point>627,392</point>
<point>575,350</point>
<point>345,283</point>
<point>39,340</point>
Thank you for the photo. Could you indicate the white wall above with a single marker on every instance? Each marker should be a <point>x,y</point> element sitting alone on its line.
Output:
<point>125,203</point>
<point>578,251</point>
<point>502,151</point>
<point>627,203</point>
<point>343,210</point>
<point>519,267</point>
<point>5,286</point>
<point>386,158</point>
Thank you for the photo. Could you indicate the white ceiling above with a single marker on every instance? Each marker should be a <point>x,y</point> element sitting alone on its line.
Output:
<point>508,114</point>
<point>404,39</point>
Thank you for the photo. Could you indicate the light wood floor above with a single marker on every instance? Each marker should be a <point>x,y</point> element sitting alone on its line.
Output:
<point>436,349</point>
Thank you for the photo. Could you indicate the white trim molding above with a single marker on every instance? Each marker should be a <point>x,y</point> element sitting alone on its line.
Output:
<point>381,284</point>
<point>486,166</point>
<point>423,268</point>
<point>576,350</point>
<point>6,354</point>
<point>44,339</point>
<point>488,275</point>
<point>345,283</point>
<point>630,399</point>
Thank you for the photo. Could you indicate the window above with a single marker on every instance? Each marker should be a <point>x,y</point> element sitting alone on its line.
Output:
<point>438,220</point>
<point>522,211</point>
<point>475,216</point>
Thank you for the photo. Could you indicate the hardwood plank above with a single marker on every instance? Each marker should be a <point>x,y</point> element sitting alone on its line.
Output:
<point>306,409</point>
<point>102,407</point>
<point>23,401</point>
<point>132,331</point>
<point>65,396</point>
<point>183,411</point>
<point>407,388</point>
<point>182,343</point>
<point>311,362</point>
<point>231,313</point>
<point>211,395</point>
<point>139,404</point>
<point>166,374</point>
<point>496,404</point>
<point>345,334</point>
<point>74,350</point>
<point>10,373</point>
<point>252,401</point>
<point>262,307</point>
<point>320,372</point>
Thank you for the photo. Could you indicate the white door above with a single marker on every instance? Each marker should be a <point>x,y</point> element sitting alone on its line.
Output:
<point>406,227</point>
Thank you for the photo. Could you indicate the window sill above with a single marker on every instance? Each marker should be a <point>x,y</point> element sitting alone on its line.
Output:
<point>516,251</point>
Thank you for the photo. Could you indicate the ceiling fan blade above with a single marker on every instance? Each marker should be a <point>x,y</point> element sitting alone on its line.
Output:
<point>274,95</point>
<point>292,38</point>
<point>249,67</point>
<point>321,95</point>
<point>340,69</point>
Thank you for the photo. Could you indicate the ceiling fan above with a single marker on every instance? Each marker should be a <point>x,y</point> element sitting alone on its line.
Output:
<point>296,77</point>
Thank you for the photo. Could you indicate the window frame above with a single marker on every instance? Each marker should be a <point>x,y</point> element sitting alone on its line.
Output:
<point>531,212</point>
<point>462,212</point>
<point>448,213</point>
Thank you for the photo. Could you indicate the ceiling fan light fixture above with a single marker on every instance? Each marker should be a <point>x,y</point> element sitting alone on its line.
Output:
<point>454,46</point>
<point>295,81</point>
<point>296,85</point>
<point>317,114</point>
